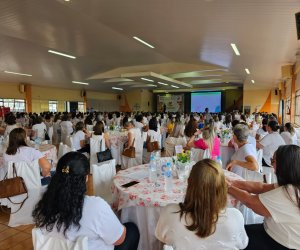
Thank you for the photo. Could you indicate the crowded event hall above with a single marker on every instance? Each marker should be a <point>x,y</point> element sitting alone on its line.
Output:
<point>149,125</point>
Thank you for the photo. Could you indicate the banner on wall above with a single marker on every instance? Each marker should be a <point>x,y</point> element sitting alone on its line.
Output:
<point>170,103</point>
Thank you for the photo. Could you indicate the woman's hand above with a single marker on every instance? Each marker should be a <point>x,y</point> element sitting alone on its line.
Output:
<point>230,165</point>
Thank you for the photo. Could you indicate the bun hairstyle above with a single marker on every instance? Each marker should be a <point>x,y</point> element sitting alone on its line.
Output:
<point>273,125</point>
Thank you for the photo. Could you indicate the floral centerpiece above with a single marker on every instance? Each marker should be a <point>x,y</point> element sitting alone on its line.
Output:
<point>183,163</point>
<point>225,134</point>
<point>184,157</point>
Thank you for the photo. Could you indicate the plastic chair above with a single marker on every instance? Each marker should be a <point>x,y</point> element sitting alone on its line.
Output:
<point>50,133</point>
<point>45,242</point>
<point>30,172</point>
<point>199,154</point>
<point>103,174</point>
<point>166,247</point>
<point>69,141</point>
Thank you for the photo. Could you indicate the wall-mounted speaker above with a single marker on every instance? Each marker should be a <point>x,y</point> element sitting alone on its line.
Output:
<point>276,91</point>
<point>297,15</point>
<point>22,88</point>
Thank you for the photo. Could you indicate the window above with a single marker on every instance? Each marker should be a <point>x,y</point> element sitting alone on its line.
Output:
<point>53,106</point>
<point>297,107</point>
<point>15,105</point>
<point>81,106</point>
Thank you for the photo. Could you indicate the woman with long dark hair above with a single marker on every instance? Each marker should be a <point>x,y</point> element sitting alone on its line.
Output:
<point>202,221</point>
<point>278,203</point>
<point>65,209</point>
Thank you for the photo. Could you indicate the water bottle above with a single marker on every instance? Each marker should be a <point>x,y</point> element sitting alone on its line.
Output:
<point>152,168</point>
<point>219,160</point>
<point>37,142</point>
<point>168,178</point>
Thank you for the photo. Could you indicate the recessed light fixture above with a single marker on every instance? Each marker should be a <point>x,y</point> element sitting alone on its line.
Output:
<point>174,86</point>
<point>162,83</point>
<point>247,71</point>
<point>61,54</point>
<point>116,88</point>
<point>67,0</point>
<point>235,49</point>
<point>146,79</point>
<point>83,83</point>
<point>143,42</point>
<point>16,73</point>
<point>252,81</point>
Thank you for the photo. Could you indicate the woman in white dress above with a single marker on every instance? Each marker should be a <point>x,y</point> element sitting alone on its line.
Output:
<point>100,135</point>
<point>261,132</point>
<point>10,121</point>
<point>152,135</point>
<point>40,128</point>
<point>202,221</point>
<point>66,128</point>
<point>244,159</point>
<point>289,134</point>
<point>135,140</point>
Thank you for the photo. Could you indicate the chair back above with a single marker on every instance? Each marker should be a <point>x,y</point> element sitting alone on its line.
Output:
<point>30,172</point>
<point>166,247</point>
<point>259,159</point>
<point>94,149</point>
<point>69,141</point>
<point>44,242</point>
<point>50,133</point>
<point>103,174</point>
<point>199,154</point>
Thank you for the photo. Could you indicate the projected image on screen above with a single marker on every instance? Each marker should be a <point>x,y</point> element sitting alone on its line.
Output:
<point>202,100</point>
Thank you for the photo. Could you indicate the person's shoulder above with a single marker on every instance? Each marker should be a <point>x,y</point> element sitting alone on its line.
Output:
<point>233,212</point>
<point>95,202</point>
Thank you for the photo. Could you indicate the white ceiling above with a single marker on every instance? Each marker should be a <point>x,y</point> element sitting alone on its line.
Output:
<point>191,38</point>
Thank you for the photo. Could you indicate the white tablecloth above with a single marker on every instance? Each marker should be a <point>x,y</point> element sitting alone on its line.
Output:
<point>141,203</point>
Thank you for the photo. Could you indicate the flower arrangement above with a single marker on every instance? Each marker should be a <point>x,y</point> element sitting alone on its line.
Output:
<point>184,157</point>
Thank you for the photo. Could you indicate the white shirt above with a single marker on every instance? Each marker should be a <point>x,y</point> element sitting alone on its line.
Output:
<point>271,142</point>
<point>77,137</point>
<point>240,155</point>
<point>98,223</point>
<point>24,153</point>
<point>229,234</point>
<point>289,138</point>
<point>40,128</point>
<point>284,224</point>
<point>261,133</point>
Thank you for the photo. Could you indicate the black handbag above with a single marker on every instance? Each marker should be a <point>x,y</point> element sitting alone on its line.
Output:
<point>104,155</point>
<point>47,137</point>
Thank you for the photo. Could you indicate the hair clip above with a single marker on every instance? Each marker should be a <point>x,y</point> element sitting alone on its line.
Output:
<point>65,170</point>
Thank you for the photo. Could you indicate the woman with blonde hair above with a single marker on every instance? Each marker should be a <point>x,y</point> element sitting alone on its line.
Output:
<point>209,140</point>
<point>202,220</point>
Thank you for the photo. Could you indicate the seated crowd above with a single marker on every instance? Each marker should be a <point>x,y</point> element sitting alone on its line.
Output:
<point>202,220</point>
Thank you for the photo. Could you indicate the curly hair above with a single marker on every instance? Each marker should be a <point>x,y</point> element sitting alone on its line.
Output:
<point>62,203</point>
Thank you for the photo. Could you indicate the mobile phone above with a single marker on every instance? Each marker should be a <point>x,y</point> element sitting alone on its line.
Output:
<point>129,184</point>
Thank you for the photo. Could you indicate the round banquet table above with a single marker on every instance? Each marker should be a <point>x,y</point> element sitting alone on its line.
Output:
<point>142,203</point>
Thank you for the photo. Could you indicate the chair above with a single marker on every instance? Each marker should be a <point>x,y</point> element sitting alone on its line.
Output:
<point>50,133</point>
<point>166,247</point>
<point>103,174</point>
<point>259,159</point>
<point>69,141</point>
<point>30,172</point>
<point>270,174</point>
<point>199,154</point>
<point>94,149</point>
<point>171,142</point>
<point>44,242</point>
<point>63,149</point>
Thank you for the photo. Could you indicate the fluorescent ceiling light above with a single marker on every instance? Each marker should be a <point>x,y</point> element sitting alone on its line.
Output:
<point>16,73</point>
<point>143,42</point>
<point>163,83</point>
<point>146,79</point>
<point>211,70</point>
<point>247,71</point>
<point>252,81</point>
<point>83,83</point>
<point>61,54</point>
<point>116,88</point>
<point>174,86</point>
<point>235,49</point>
<point>151,85</point>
